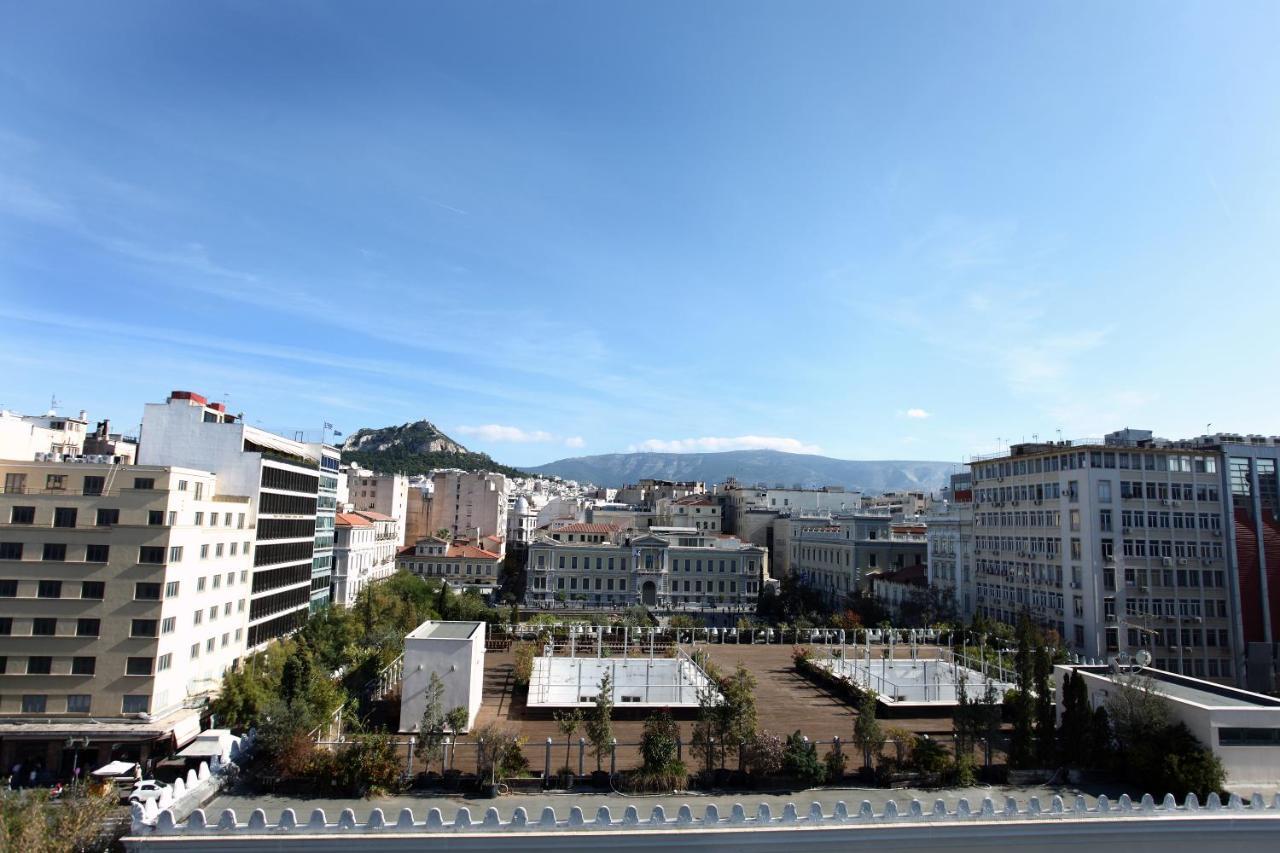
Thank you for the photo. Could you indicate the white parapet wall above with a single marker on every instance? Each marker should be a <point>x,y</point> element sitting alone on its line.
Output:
<point>931,679</point>
<point>1123,826</point>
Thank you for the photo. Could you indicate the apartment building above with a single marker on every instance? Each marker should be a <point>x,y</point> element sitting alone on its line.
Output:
<point>950,551</point>
<point>469,504</point>
<point>23,436</point>
<point>1117,544</point>
<point>364,551</point>
<point>832,554</point>
<point>124,597</point>
<point>668,568</point>
<point>700,512</point>
<point>741,499</point>
<point>386,494</point>
<point>460,564</point>
<point>292,489</point>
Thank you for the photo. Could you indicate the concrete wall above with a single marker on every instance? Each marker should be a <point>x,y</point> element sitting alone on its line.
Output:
<point>460,665</point>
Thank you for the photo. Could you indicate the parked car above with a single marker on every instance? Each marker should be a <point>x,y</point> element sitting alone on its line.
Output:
<point>147,789</point>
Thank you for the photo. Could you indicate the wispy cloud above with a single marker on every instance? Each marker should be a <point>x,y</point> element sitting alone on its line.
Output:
<point>501,432</point>
<point>917,414</point>
<point>575,441</point>
<point>713,444</point>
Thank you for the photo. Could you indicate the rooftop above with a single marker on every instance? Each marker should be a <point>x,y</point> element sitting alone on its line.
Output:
<point>1193,690</point>
<point>445,631</point>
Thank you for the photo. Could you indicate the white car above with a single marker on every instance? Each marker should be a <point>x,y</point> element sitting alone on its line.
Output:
<point>147,789</point>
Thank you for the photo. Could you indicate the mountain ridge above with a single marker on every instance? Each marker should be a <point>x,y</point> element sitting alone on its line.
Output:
<point>771,467</point>
<point>415,447</point>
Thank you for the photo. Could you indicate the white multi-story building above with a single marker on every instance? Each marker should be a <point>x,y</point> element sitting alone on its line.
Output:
<point>469,504</point>
<point>1118,544</point>
<point>386,494</point>
<point>951,552</point>
<point>23,436</point>
<point>700,512</point>
<point>831,555</point>
<point>283,480</point>
<point>669,568</point>
<point>364,552</point>
<point>121,605</point>
<point>522,521</point>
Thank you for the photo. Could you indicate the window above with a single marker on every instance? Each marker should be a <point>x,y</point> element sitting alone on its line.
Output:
<point>54,552</point>
<point>108,517</point>
<point>146,591</point>
<point>94,485</point>
<point>88,627</point>
<point>96,553</point>
<point>200,584</point>
<point>175,554</point>
<point>84,666</point>
<point>64,516</point>
<point>49,589</point>
<point>138,666</point>
<point>182,485</point>
<point>204,552</point>
<point>15,484</point>
<point>171,589</point>
<point>168,625</point>
<point>34,704</point>
<point>143,628</point>
<point>173,517</point>
<point>55,482</point>
<point>199,491</point>
<point>39,665</point>
<point>8,589</point>
<point>92,589</point>
<point>6,626</point>
<point>198,618</point>
<point>144,482</point>
<point>1233,736</point>
<point>22,515</point>
<point>195,650</point>
<point>78,703</point>
<point>10,550</point>
<point>135,704</point>
<point>164,662</point>
<point>151,554</point>
<point>155,517</point>
<point>43,626</point>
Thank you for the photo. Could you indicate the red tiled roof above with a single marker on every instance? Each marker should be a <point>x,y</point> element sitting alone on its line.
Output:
<point>406,551</point>
<point>370,515</point>
<point>351,519</point>
<point>585,528</point>
<point>471,552</point>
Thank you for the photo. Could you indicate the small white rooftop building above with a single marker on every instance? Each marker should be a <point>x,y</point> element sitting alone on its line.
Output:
<point>455,652</point>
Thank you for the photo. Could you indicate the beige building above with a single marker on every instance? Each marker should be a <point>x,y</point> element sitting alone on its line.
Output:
<point>460,564</point>
<point>832,555</point>
<point>697,511</point>
<point>469,504</point>
<point>417,523</point>
<point>386,494</point>
<point>123,598</point>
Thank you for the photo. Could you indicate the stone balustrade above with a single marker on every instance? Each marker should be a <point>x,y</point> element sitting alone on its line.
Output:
<point>257,832</point>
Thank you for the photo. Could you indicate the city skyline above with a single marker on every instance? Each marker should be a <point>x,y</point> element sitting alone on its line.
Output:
<point>847,230</point>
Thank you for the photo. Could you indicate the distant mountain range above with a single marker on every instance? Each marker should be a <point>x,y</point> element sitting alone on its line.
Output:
<point>771,467</point>
<point>414,448</point>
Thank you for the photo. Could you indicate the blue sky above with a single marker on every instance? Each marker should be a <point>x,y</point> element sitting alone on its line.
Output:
<point>900,230</point>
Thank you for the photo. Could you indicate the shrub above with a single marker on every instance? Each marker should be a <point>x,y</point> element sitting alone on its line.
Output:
<point>660,771</point>
<point>801,655</point>
<point>835,763</point>
<point>500,752</point>
<point>961,773</point>
<point>764,753</point>
<point>800,761</point>
<point>524,654</point>
<point>929,755</point>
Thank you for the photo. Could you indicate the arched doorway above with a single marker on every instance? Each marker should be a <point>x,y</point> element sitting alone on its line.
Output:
<point>649,594</point>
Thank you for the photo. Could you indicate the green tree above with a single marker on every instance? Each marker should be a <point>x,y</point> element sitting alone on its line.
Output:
<point>800,761</point>
<point>568,722</point>
<point>1073,736</point>
<point>29,821</point>
<point>1045,708</point>
<point>1022,749</point>
<point>600,720</point>
<point>866,728</point>
<point>430,745</point>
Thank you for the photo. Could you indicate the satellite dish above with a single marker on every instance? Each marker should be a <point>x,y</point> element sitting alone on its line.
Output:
<point>1143,658</point>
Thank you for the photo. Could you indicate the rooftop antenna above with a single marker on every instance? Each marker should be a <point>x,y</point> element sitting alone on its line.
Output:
<point>54,403</point>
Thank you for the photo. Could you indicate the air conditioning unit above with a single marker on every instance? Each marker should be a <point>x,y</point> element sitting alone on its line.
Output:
<point>1173,503</point>
<point>1182,562</point>
<point>1217,533</point>
<point>1038,501</point>
<point>1015,503</point>
<point>1165,502</point>
<point>1075,584</point>
<point>1167,561</point>
<point>1124,530</point>
<point>1206,562</point>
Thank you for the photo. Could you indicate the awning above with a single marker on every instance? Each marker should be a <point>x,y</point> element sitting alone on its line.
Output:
<point>210,743</point>
<point>115,768</point>
<point>185,730</point>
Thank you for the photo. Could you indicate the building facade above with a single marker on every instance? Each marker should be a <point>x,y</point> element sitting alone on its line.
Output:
<point>668,568</point>
<point>23,436</point>
<point>364,552</point>
<point>460,564</point>
<point>1117,544</point>
<point>831,555</point>
<point>386,494</point>
<point>282,479</point>
<point>469,504</point>
<point>124,596</point>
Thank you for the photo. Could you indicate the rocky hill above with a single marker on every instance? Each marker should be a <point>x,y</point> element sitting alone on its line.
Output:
<point>414,448</point>
<point>771,467</point>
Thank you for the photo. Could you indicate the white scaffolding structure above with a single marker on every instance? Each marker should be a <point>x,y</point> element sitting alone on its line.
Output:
<point>924,681</point>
